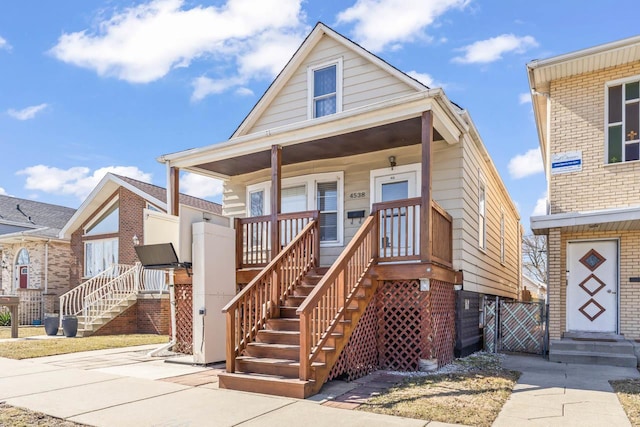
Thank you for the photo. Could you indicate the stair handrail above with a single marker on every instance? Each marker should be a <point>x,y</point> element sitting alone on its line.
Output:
<point>72,302</point>
<point>325,307</point>
<point>259,301</point>
<point>114,292</point>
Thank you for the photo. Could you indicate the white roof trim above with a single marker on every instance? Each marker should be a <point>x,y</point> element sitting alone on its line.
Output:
<point>83,211</point>
<point>298,58</point>
<point>573,219</point>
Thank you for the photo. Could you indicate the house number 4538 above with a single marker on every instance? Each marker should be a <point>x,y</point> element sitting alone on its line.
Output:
<point>358,195</point>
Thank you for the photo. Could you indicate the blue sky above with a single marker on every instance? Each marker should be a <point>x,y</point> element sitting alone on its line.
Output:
<point>93,86</point>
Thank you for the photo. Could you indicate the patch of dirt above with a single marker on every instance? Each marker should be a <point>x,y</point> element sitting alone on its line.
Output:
<point>18,417</point>
<point>628,392</point>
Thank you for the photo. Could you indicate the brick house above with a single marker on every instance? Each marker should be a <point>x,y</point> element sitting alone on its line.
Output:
<point>362,200</point>
<point>587,106</point>
<point>103,233</point>
<point>35,261</point>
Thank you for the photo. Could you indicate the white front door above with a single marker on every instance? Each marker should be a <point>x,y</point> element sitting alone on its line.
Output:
<point>592,286</point>
<point>397,237</point>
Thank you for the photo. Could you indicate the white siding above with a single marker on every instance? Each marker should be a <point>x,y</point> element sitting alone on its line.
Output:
<point>363,83</point>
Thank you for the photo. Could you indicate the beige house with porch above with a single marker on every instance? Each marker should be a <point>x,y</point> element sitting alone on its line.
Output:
<point>382,199</point>
<point>587,109</point>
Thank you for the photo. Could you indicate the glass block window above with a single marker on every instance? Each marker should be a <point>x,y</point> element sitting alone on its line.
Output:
<point>327,197</point>
<point>623,122</point>
<point>325,89</point>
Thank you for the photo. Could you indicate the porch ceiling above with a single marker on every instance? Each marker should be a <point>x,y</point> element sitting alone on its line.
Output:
<point>392,135</point>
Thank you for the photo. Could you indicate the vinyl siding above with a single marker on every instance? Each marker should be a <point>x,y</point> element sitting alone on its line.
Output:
<point>364,83</point>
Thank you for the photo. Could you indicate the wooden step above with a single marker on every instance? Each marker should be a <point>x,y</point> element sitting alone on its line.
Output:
<point>275,386</point>
<point>275,351</point>
<point>278,337</point>
<point>270,366</point>
<point>294,300</point>
<point>312,279</point>
<point>288,312</point>
<point>303,289</point>
<point>283,324</point>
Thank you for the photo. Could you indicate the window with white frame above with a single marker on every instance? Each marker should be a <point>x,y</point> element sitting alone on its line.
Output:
<point>105,222</point>
<point>623,120</point>
<point>99,255</point>
<point>324,83</point>
<point>482,212</point>
<point>502,220</point>
<point>322,192</point>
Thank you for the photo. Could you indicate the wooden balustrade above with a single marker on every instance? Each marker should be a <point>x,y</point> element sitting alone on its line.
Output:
<point>321,312</point>
<point>253,236</point>
<point>260,300</point>
<point>399,231</point>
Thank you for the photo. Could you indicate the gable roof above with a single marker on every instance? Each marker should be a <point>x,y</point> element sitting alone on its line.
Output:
<point>28,216</point>
<point>152,193</point>
<point>298,58</point>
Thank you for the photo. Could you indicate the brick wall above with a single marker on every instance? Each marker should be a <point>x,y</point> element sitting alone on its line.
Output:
<point>130,224</point>
<point>629,293</point>
<point>149,315</point>
<point>578,123</point>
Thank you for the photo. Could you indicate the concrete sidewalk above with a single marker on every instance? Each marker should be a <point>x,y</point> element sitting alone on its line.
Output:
<point>561,394</point>
<point>125,388</point>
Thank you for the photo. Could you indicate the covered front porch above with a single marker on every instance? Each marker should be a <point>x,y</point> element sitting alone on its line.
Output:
<point>306,277</point>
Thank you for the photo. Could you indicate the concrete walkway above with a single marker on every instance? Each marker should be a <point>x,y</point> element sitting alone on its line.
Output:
<point>123,387</point>
<point>561,394</point>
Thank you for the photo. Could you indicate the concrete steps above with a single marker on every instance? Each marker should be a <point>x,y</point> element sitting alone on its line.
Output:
<point>610,352</point>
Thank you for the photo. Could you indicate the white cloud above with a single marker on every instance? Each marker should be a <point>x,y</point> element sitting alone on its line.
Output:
<point>26,113</point>
<point>524,98</point>
<point>4,44</point>
<point>3,192</point>
<point>382,24</point>
<point>144,43</point>
<point>200,185</point>
<point>423,78</point>
<point>490,50</point>
<point>541,206</point>
<point>529,163</point>
<point>244,91</point>
<point>77,181</point>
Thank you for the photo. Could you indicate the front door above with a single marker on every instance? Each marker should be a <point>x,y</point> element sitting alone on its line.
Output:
<point>24,276</point>
<point>592,286</point>
<point>397,227</point>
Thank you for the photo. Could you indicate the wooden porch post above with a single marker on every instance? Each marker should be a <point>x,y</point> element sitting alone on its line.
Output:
<point>276,204</point>
<point>425,208</point>
<point>173,192</point>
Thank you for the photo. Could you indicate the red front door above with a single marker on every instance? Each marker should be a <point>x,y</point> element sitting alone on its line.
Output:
<point>24,276</point>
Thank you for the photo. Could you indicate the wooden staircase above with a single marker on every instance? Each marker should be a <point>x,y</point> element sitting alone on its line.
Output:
<point>271,363</point>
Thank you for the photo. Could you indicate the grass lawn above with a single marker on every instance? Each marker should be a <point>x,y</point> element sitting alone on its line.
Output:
<point>629,395</point>
<point>471,391</point>
<point>40,348</point>
<point>23,331</point>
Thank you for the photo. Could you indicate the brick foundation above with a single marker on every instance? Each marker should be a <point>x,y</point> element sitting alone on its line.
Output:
<point>149,315</point>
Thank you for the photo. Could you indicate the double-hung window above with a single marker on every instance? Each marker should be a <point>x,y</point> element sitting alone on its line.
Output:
<point>623,120</point>
<point>325,89</point>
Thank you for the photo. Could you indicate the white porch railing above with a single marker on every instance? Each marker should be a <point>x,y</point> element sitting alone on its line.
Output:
<point>154,280</point>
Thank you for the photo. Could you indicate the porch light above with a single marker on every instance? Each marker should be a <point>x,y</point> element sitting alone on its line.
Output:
<point>392,161</point>
<point>136,240</point>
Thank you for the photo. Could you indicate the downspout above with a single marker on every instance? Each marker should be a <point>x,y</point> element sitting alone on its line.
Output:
<point>172,307</point>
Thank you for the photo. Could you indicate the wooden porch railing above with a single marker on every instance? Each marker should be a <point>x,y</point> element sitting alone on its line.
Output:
<point>253,236</point>
<point>260,300</point>
<point>322,311</point>
<point>399,231</point>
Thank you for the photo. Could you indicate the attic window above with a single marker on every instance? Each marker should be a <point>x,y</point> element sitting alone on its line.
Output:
<point>325,89</point>
<point>106,222</point>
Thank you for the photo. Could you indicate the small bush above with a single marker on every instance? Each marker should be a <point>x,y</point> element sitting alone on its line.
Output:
<point>5,318</point>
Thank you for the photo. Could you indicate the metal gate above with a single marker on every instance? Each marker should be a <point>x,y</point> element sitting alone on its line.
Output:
<point>514,326</point>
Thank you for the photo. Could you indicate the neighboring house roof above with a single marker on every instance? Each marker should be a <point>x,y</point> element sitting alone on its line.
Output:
<point>154,194</point>
<point>543,71</point>
<point>23,217</point>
